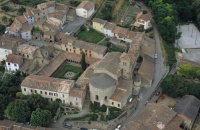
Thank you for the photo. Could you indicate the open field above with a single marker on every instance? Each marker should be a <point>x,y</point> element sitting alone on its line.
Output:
<point>92,36</point>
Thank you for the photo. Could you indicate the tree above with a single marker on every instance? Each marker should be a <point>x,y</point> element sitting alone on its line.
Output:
<point>18,111</point>
<point>40,117</point>
<point>21,10</point>
<point>36,101</point>
<point>4,19</point>
<point>4,101</point>
<point>10,21</point>
<point>83,62</point>
<point>5,8</point>
<point>2,29</point>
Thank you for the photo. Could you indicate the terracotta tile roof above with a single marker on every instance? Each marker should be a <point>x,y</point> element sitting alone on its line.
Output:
<point>39,22</point>
<point>48,83</point>
<point>142,16</point>
<point>35,11</point>
<point>21,19</point>
<point>100,21</point>
<point>11,58</point>
<point>148,47</point>
<point>57,15</point>
<point>51,25</point>
<point>155,117</point>
<point>110,62</point>
<point>109,26</point>
<point>87,5</point>
<point>118,95</point>
<point>26,49</point>
<point>62,35</point>
<point>123,32</point>
<point>138,39</point>
<point>50,68</point>
<point>50,33</point>
<point>15,26</point>
<point>46,5</point>
<point>146,70</point>
<point>88,46</point>
<point>8,43</point>
<point>28,14</point>
<point>62,7</point>
<point>77,92</point>
<point>27,28</point>
<point>121,90</point>
<point>53,21</point>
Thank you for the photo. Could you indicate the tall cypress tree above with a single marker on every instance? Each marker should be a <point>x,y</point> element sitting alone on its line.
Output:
<point>83,62</point>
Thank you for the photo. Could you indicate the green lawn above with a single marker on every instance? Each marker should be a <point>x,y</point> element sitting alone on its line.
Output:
<point>92,36</point>
<point>77,70</point>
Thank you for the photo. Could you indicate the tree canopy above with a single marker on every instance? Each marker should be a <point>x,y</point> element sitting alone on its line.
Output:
<point>83,62</point>
<point>18,111</point>
<point>40,117</point>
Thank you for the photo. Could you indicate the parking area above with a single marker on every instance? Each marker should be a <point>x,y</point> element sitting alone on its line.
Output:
<point>190,37</point>
<point>73,26</point>
<point>192,54</point>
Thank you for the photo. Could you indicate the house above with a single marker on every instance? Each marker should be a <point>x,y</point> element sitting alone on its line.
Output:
<point>27,51</point>
<point>108,84</point>
<point>46,8</point>
<point>26,32</point>
<point>13,62</point>
<point>76,46</point>
<point>7,46</point>
<point>49,36</point>
<point>146,70</point>
<point>143,21</point>
<point>156,117</point>
<point>51,25</point>
<point>188,106</point>
<point>29,17</point>
<point>148,47</point>
<point>58,17</point>
<point>71,15</point>
<point>37,14</point>
<point>54,88</point>
<point>85,9</point>
<point>98,24</point>
<point>108,29</point>
<point>16,26</point>
<point>123,34</point>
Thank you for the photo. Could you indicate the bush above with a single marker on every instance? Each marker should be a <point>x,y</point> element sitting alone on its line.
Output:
<point>5,8</point>
<point>111,109</point>
<point>102,118</point>
<point>93,117</point>
<point>21,10</point>
<point>21,95</point>
<point>103,108</point>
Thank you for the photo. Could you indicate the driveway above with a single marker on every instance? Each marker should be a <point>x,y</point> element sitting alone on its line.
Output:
<point>74,25</point>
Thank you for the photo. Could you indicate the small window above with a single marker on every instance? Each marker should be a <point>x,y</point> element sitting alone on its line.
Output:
<point>8,63</point>
<point>15,65</point>
<point>118,105</point>
<point>63,95</point>
<point>40,92</point>
<point>112,103</point>
<point>106,97</point>
<point>45,93</point>
<point>76,99</point>
<point>97,97</point>
<point>35,91</point>
<point>24,89</point>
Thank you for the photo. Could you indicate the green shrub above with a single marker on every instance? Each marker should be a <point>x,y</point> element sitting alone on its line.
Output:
<point>5,8</point>
<point>103,108</point>
<point>96,111</point>
<point>102,118</point>
<point>114,109</point>
<point>93,117</point>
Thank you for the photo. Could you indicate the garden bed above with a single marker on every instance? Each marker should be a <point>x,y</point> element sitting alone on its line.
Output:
<point>91,35</point>
<point>76,70</point>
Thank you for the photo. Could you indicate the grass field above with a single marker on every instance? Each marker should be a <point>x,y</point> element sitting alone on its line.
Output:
<point>61,74</point>
<point>92,36</point>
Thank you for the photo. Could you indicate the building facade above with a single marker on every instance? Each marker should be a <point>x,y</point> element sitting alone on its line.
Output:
<point>13,62</point>
<point>85,9</point>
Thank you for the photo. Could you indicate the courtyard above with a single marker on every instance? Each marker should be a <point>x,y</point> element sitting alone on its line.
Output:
<point>190,37</point>
<point>69,72</point>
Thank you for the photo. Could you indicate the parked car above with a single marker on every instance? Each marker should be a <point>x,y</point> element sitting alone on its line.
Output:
<point>157,93</point>
<point>83,129</point>
<point>66,125</point>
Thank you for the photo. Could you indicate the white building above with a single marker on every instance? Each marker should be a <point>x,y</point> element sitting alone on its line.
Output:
<point>26,32</point>
<point>85,9</point>
<point>108,29</point>
<point>54,88</point>
<point>13,62</point>
<point>142,20</point>
<point>7,46</point>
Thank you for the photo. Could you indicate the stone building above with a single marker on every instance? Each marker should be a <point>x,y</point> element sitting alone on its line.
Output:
<point>76,46</point>
<point>54,88</point>
<point>111,81</point>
